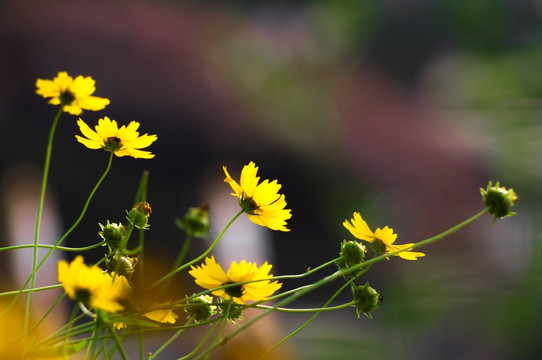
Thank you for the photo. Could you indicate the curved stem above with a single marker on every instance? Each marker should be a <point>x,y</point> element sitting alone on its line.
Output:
<point>164,278</point>
<point>311,319</point>
<point>63,248</point>
<point>337,275</point>
<point>46,166</point>
<point>32,275</point>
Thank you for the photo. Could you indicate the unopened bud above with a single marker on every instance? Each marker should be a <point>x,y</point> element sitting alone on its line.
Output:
<point>114,235</point>
<point>499,200</point>
<point>196,221</point>
<point>352,253</point>
<point>200,308</point>
<point>139,215</point>
<point>366,299</point>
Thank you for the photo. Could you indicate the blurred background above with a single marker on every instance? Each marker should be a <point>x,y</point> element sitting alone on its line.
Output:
<point>400,110</point>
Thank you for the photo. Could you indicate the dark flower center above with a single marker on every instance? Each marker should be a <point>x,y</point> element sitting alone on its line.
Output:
<point>112,144</point>
<point>236,291</point>
<point>66,97</point>
<point>82,295</point>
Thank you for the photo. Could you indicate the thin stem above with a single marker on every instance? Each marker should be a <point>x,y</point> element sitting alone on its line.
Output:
<point>164,278</point>
<point>310,320</point>
<point>338,274</point>
<point>46,166</point>
<point>44,246</point>
<point>171,339</point>
<point>202,342</point>
<point>25,291</point>
<point>301,311</point>
<point>63,237</point>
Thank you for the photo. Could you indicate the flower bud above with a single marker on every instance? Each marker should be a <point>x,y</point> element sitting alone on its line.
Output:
<point>366,299</point>
<point>352,253</point>
<point>139,215</point>
<point>123,265</point>
<point>499,200</point>
<point>234,310</point>
<point>196,221</point>
<point>113,234</point>
<point>201,308</point>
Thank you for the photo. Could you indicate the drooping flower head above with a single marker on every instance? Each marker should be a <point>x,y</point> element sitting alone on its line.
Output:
<point>91,286</point>
<point>262,202</point>
<point>74,95</point>
<point>382,240</point>
<point>210,276</point>
<point>123,141</point>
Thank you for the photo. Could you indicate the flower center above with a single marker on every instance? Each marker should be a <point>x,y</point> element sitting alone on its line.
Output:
<point>82,295</point>
<point>66,97</point>
<point>248,205</point>
<point>112,144</point>
<point>234,291</point>
<point>378,246</point>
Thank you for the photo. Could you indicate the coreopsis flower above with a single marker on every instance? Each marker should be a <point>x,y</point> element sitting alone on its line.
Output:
<point>123,141</point>
<point>92,286</point>
<point>262,202</point>
<point>381,241</point>
<point>210,276</point>
<point>74,95</point>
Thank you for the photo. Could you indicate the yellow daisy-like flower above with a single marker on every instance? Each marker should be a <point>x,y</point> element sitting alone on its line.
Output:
<point>91,286</point>
<point>210,276</point>
<point>123,141</point>
<point>262,202</point>
<point>382,240</point>
<point>73,95</point>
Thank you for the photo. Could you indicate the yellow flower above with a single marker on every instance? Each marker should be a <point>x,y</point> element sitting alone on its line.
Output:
<point>91,286</point>
<point>73,95</point>
<point>210,276</point>
<point>262,202</point>
<point>123,141</point>
<point>382,240</point>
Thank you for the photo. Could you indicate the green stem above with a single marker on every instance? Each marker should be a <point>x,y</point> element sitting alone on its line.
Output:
<point>32,275</point>
<point>164,278</point>
<point>311,319</point>
<point>338,274</point>
<point>63,248</point>
<point>171,339</point>
<point>286,310</point>
<point>202,342</point>
<point>25,291</point>
<point>46,166</point>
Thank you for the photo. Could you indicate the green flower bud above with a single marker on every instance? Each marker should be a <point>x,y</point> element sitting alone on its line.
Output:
<point>499,200</point>
<point>114,234</point>
<point>366,299</point>
<point>200,308</point>
<point>139,215</point>
<point>234,310</point>
<point>123,265</point>
<point>196,221</point>
<point>352,253</point>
